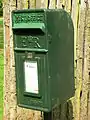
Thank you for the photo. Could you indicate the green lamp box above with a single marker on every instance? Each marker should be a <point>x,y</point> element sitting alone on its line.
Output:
<point>44,57</point>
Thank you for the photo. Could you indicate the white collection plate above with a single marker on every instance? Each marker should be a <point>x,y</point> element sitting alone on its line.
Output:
<point>31,77</point>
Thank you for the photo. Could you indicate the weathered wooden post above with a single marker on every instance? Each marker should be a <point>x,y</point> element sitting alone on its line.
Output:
<point>76,108</point>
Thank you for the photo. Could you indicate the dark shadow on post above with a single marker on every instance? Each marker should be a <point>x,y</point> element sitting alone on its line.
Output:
<point>54,115</point>
<point>61,112</point>
<point>69,111</point>
<point>66,111</point>
<point>48,116</point>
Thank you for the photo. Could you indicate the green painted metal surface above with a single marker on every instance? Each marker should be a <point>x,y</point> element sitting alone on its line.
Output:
<point>46,38</point>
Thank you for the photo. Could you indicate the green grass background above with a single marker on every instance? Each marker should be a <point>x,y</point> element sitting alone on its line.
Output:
<point>1,68</point>
<point>1,33</point>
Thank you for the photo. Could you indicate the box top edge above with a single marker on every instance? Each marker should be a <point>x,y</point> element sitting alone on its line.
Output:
<point>34,10</point>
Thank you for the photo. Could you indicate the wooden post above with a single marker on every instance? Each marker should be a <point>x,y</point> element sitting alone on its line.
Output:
<point>78,107</point>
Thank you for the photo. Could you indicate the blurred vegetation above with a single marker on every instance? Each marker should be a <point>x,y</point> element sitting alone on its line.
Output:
<point>1,33</point>
<point>1,8</point>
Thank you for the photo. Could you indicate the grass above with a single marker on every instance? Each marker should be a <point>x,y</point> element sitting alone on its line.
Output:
<point>1,33</point>
<point>1,68</point>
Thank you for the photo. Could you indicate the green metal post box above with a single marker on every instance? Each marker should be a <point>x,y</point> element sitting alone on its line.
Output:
<point>44,57</point>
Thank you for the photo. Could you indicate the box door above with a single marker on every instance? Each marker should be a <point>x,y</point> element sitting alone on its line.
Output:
<point>32,80</point>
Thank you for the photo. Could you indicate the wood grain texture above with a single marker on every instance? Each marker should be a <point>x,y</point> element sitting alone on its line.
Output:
<point>38,3</point>
<point>85,72</point>
<point>75,13</point>
<point>44,3</point>
<point>59,3</point>
<point>88,41</point>
<point>52,4</point>
<point>6,15</point>
<point>78,107</point>
<point>68,6</point>
<point>33,3</point>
